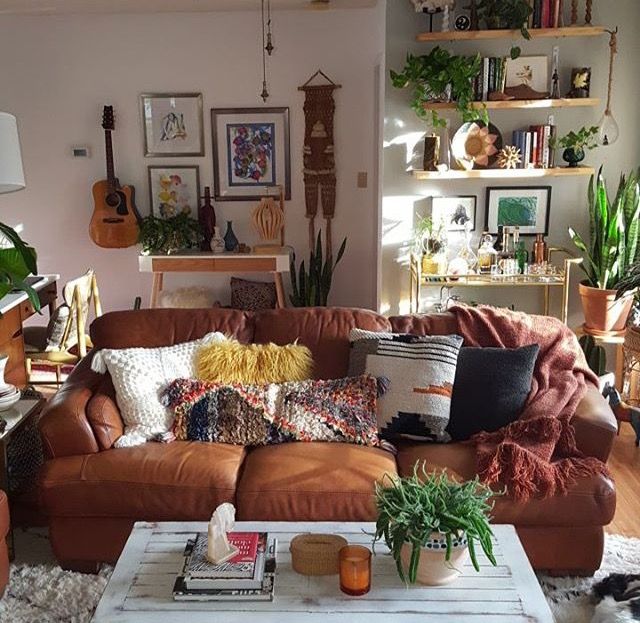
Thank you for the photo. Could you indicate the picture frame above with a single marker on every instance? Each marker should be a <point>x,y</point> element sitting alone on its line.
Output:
<point>172,124</point>
<point>529,71</point>
<point>526,207</point>
<point>455,211</point>
<point>174,189</point>
<point>251,152</point>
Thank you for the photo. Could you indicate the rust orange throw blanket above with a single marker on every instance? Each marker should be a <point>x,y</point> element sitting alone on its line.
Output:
<point>537,454</point>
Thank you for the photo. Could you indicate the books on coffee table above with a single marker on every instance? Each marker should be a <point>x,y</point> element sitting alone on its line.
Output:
<point>248,576</point>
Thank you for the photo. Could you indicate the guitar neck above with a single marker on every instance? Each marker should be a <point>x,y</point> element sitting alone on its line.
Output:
<point>111,175</point>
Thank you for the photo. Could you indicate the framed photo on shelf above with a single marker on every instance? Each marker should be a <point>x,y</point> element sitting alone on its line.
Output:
<point>174,190</point>
<point>455,212</point>
<point>530,71</point>
<point>172,124</point>
<point>525,207</point>
<point>250,152</point>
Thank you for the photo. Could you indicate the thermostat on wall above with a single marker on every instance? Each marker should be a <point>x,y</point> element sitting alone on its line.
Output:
<point>81,151</point>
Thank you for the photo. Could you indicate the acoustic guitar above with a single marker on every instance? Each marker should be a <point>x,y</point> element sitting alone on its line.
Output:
<point>114,223</point>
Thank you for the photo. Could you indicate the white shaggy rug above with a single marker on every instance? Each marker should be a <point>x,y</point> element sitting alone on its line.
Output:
<point>47,594</point>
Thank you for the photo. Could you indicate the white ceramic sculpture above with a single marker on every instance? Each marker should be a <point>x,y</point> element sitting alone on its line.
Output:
<point>222,521</point>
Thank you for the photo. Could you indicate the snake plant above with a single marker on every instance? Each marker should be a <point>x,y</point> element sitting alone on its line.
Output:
<point>614,233</point>
<point>310,288</point>
<point>17,262</point>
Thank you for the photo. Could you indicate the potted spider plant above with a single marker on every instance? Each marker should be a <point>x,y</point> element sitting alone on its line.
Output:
<point>431,524</point>
<point>608,292</point>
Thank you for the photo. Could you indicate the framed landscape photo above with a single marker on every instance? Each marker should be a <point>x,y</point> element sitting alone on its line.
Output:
<point>250,152</point>
<point>174,190</point>
<point>525,207</point>
<point>530,71</point>
<point>172,124</point>
<point>455,212</point>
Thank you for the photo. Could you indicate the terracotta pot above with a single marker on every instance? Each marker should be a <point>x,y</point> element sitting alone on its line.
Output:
<point>602,312</point>
<point>433,569</point>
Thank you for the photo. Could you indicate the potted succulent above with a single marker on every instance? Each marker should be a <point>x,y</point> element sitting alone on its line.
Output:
<point>430,243</point>
<point>511,14</point>
<point>168,235</point>
<point>612,253</point>
<point>440,77</point>
<point>431,524</point>
<point>575,143</point>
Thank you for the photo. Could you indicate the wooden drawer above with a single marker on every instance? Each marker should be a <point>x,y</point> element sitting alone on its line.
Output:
<point>15,371</point>
<point>47,295</point>
<point>10,325</point>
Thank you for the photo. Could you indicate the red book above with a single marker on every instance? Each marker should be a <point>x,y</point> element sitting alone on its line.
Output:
<point>247,544</point>
<point>555,14</point>
<point>546,13</point>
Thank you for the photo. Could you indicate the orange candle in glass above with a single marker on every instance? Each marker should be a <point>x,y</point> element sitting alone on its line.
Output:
<point>355,570</point>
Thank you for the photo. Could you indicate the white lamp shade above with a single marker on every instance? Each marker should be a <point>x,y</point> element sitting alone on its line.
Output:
<point>11,172</point>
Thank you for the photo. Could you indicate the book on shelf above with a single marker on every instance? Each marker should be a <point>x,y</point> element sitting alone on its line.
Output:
<point>546,14</point>
<point>259,587</point>
<point>535,148</point>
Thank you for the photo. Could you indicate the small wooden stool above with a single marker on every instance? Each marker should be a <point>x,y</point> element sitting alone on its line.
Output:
<point>4,531</point>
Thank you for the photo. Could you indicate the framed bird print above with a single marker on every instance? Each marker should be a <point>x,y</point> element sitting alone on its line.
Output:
<point>172,124</point>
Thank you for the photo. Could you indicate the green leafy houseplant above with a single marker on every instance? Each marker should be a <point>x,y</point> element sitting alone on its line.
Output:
<point>168,235</point>
<point>411,509</point>
<point>17,262</point>
<point>311,287</point>
<point>584,138</point>
<point>440,75</point>
<point>511,14</point>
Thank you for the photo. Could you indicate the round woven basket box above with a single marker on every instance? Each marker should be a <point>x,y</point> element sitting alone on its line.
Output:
<point>316,554</point>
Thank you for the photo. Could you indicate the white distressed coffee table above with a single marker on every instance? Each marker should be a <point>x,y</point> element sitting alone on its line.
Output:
<point>140,589</point>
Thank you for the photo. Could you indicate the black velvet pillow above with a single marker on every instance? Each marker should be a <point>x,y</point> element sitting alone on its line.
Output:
<point>490,389</point>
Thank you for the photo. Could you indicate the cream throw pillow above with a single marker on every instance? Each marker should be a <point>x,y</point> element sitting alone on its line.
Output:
<point>140,375</point>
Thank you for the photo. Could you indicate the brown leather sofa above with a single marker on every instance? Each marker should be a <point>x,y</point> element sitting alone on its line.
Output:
<point>93,493</point>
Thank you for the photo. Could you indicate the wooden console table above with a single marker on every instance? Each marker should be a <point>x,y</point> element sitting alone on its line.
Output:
<point>215,263</point>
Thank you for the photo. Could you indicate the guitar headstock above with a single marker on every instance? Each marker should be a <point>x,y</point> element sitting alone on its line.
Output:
<point>107,118</point>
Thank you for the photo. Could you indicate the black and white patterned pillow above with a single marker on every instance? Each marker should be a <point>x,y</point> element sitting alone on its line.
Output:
<point>420,370</point>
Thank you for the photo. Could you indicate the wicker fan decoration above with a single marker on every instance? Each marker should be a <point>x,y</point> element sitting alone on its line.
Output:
<point>509,157</point>
<point>268,220</point>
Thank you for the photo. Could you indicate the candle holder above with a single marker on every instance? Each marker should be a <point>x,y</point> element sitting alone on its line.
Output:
<point>355,570</point>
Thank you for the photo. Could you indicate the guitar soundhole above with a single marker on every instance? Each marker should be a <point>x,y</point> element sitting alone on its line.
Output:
<point>118,201</point>
<point>113,200</point>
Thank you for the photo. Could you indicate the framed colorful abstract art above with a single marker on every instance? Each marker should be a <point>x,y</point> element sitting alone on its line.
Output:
<point>172,124</point>
<point>174,190</point>
<point>250,152</point>
<point>526,207</point>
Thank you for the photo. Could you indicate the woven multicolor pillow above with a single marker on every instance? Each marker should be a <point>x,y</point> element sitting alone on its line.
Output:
<point>341,410</point>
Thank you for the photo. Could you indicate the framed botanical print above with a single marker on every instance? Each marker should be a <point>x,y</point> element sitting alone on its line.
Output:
<point>457,213</point>
<point>250,152</point>
<point>174,190</point>
<point>172,124</point>
<point>527,208</point>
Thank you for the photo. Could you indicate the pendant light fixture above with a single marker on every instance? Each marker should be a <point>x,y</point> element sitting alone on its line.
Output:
<point>265,91</point>
<point>608,130</point>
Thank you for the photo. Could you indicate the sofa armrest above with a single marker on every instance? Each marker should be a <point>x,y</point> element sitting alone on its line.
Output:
<point>595,425</point>
<point>64,427</point>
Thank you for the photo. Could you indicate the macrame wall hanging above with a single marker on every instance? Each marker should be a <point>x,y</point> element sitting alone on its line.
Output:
<point>319,160</point>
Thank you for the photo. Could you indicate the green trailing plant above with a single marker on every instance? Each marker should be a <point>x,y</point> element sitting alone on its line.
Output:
<point>595,355</point>
<point>411,509</point>
<point>311,284</point>
<point>584,138</point>
<point>428,238</point>
<point>614,234</point>
<point>511,14</point>
<point>17,262</point>
<point>440,75</point>
<point>168,235</point>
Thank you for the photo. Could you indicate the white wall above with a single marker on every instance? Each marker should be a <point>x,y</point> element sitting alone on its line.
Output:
<point>57,72</point>
<point>402,194</point>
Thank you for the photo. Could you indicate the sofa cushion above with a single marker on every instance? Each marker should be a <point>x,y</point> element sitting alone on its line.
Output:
<point>311,482</point>
<point>324,330</point>
<point>155,482</point>
<point>591,501</point>
<point>103,414</point>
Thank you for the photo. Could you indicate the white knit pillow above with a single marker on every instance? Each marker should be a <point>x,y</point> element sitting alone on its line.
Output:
<point>139,376</point>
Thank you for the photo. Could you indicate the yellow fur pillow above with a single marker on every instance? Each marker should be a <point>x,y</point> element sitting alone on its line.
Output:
<point>254,364</point>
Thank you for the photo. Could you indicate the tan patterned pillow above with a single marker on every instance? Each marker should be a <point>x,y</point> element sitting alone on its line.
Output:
<point>252,295</point>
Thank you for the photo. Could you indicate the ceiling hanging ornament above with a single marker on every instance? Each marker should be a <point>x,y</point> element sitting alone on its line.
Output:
<point>269,47</point>
<point>265,91</point>
<point>608,130</point>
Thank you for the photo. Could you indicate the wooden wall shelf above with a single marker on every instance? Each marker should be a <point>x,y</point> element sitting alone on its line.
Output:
<point>522,104</point>
<point>536,33</point>
<point>503,173</point>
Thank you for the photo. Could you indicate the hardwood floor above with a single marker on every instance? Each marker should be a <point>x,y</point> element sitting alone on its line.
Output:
<point>625,469</point>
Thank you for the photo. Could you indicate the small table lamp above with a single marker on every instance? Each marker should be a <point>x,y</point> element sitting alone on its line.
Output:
<point>11,172</point>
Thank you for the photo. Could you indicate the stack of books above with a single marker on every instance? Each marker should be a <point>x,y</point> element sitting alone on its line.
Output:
<point>535,146</point>
<point>248,576</point>
<point>491,78</point>
<point>546,14</point>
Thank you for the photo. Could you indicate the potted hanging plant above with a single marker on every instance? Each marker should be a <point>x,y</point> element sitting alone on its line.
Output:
<point>169,235</point>
<point>441,77</point>
<point>501,14</point>
<point>574,144</point>
<point>614,248</point>
<point>432,524</point>
<point>430,244</point>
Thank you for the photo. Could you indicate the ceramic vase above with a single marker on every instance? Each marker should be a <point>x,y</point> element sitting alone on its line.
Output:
<point>230,239</point>
<point>573,156</point>
<point>433,568</point>
<point>217,241</point>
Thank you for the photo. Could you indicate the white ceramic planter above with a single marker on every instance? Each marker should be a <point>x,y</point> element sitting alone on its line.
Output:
<point>433,569</point>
